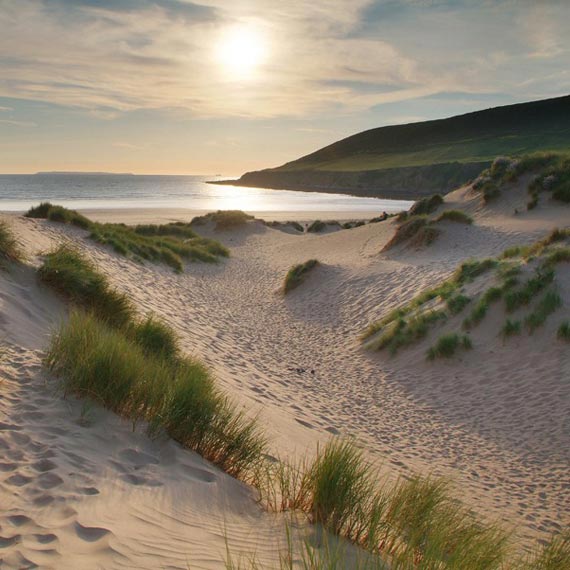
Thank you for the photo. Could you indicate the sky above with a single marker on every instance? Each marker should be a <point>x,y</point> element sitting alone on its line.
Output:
<point>228,86</point>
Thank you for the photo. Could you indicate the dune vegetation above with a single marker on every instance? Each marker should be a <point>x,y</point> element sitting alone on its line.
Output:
<point>166,243</point>
<point>415,230</point>
<point>223,219</point>
<point>520,276</point>
<point>456,216</point>
<point>447,345</point>
<point>9,248</point>
<point>74,276</point>
<point>177,395</point>
<point>297,274</point>
<point>551,175</point>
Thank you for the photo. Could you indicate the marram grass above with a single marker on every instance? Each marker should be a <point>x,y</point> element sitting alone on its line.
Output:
<point>10,250</point>
<point>73,275</point>
<point>297,274</point>
<point>175,395</point>
<point>166,243</point>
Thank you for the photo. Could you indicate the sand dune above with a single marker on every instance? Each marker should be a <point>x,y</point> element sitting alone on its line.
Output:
<point>79,486</point>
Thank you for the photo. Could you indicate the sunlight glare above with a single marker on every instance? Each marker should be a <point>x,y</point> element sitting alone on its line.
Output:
<point>241,50</point>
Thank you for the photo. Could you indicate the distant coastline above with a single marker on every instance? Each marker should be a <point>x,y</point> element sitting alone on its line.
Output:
<point>80,173</point>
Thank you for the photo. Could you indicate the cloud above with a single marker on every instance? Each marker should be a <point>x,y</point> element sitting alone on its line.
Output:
<point>324,58</point>
<point>172,8</point>
<point>12,123</point>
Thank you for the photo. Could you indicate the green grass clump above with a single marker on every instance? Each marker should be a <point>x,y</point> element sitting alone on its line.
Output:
<point>406,230</point>
<point>296,275</point>
<point>59,214</point>
<point>564,331</point>
<point>9,247</point>
<point>177,396</point>
<point>554,176</point>
<point>426,205</point>
<point>480,309</point>
<point>447,345</point>
<point>558,255</point>
<point>70,273</point>
<point>166,243</point>
<point>403,332</point>
<point>554,555</point>
<point>316,226</point>
<point>516,298</point>
<point>471,269</point>
<point>224,219</point>
<point>340,484</point>
<point>490,191</point>
<point>511,328</point>
<point>547,305</point>
<point>410,521</point>
<point>515,251</point>
<point>155,337</point>
<point>455,216</point>
<point>457,304</point>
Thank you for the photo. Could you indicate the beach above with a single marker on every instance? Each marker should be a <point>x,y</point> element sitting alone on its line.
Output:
<point>82,489</point>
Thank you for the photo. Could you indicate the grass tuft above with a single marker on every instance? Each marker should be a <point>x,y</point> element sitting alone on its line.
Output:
<point>297,274</point>
<point>511,328</point>
<point>416,229</point>
<point>455,216</point>
<point>547,305</point>
<point>402,332</point>
<point>155,337</point>
<point>224,219</point>
<point>70,273</point>
<point>9,247</point>
<point>447,345</point>
<point>458,303</point>
<point>426,205</point>
<point>177,396</point>
<point>316,226</point>
<point>516,298</point>
<point>564,331</point>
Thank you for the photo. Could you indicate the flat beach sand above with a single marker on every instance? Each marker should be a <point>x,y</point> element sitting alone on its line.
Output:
<point>80,489</point>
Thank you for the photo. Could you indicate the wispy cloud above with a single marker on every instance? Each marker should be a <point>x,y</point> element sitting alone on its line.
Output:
<point>326,57</point>
<point>25,124</point>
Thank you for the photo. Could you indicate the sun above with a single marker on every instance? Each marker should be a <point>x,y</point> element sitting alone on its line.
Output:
<point>241,50</point>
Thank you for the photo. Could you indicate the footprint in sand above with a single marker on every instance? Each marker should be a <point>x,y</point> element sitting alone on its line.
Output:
<point>18,480</point>
<point>5,542</point>
<point>18,520</point>
<point>138,458</point>
<point>44,465</point>
<point>90,533</point>
<point>45,538</point>
<point>49,480</point>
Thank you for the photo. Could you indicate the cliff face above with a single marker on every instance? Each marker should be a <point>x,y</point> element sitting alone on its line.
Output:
<point>407,183</point>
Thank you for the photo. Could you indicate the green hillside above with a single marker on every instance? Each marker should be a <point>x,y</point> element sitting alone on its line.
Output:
<point>409,161</point>
<point>474,137</point>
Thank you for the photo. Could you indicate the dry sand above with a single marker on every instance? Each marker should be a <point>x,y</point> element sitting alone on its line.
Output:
<point>79,489</point>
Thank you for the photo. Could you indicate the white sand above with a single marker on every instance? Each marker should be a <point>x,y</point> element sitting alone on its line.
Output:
<point>94,494</point>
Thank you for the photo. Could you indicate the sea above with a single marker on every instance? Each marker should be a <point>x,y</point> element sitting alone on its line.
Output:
<point>109,191</point>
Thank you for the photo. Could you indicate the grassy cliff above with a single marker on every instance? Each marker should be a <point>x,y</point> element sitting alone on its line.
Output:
<point>413,160</point>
